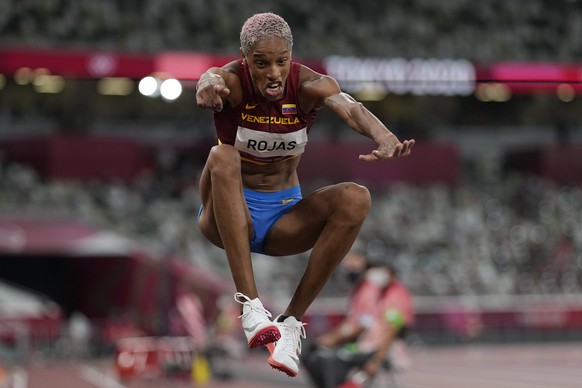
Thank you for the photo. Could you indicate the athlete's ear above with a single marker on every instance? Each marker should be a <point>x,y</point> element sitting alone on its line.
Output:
<point>242,53</point>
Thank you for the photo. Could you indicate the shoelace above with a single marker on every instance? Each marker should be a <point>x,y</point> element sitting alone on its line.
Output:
<point>292,335</point>
<point>247,301</point>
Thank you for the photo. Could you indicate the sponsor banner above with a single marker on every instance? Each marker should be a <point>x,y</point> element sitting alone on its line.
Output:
<point>448,77</point>
<point>372,75</point>
<point>77,64</point>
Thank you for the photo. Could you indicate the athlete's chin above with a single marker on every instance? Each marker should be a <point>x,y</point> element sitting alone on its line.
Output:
<point>273,98</point>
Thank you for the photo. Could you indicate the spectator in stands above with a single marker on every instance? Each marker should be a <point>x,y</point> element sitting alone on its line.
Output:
<point>361,352</point>
<point>264,105</point>
<point>425,29</point>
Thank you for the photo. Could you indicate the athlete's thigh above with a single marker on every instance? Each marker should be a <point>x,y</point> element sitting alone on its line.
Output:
<point>206,221</point>
<point>298,229</point>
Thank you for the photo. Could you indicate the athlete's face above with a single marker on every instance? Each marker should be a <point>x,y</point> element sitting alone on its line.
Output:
<point>269,63</point>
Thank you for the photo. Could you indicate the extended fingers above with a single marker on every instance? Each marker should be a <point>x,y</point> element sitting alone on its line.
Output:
<point>370,157</point>
<point>210,102</point>
<point>407,147</point>
<point>403,149</point>
<point>400,149</point>
<point>211,97</point>
<point>205,99</point>
<point>220,92</point>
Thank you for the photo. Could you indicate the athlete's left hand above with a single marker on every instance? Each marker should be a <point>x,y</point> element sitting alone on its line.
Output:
<point>389,150</point>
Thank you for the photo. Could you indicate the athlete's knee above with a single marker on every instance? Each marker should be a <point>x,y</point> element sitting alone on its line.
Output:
<point>223,159</point>
<point>357,200</point>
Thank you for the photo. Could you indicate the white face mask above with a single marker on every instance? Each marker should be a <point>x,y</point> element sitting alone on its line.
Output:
<point>378,276</point>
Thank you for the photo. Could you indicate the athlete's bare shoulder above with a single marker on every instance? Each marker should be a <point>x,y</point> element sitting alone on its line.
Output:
<point>232,67</point>
<point>314,88</point>
<point>231,74</point>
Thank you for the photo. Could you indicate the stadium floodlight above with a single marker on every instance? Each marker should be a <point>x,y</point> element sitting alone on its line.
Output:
<point>171,89</point>
<point>149,86</point>
<point>47,83</point>
<point>565,92</point>
<point>23,76</point>
<point>115,86</point>
<point>493,92</point>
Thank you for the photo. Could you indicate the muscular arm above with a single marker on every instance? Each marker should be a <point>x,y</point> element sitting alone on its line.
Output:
<point>325,91</point>
<point>218,86</point>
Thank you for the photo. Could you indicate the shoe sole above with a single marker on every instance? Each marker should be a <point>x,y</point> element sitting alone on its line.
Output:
<point>281,367</point>
<point>266,336</point>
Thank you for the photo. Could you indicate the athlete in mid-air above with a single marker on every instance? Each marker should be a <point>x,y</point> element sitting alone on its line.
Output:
<point>264,105</point>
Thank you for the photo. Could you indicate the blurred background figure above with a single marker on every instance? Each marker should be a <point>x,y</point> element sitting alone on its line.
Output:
<point>225,334</point>
<point>225,338</point>
<point>371,337</point>
<point>362,302</point>
<point>80,334</point>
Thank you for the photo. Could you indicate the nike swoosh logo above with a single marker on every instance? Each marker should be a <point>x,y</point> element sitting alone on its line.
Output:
<point>247,106</point>
<point>286,201</point>
<point>295,359</point>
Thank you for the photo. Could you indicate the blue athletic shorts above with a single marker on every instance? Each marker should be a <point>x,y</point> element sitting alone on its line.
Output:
<point>266,209</point>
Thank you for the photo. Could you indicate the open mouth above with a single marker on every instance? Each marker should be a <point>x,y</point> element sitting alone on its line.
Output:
<point>274,89</point>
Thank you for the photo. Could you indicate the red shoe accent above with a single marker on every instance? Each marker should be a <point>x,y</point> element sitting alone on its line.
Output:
<point>270,347</point>
<point>280,367</point>
<point>266,336</point>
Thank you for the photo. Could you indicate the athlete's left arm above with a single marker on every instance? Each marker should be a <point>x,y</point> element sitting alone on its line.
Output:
<point>326,91</point>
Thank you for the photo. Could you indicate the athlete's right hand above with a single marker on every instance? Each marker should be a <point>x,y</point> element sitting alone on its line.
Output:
<point>210,91</point>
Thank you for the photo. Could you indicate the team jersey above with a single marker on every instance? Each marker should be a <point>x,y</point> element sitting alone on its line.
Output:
<point>264,131</point>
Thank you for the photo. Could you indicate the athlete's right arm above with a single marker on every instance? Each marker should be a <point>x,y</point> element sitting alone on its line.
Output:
<point>217,86</point>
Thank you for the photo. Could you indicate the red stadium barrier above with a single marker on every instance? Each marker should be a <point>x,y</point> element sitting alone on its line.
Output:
<point>154,357</point>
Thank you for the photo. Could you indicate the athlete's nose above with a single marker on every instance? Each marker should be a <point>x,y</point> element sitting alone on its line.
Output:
<point>274,73</point>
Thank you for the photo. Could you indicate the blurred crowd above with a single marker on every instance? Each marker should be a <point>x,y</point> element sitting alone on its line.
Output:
<point>536,31</point>
<point>517,235</point>
<point>521,235</point>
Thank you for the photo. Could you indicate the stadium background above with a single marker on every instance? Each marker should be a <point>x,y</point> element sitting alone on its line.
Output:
<point>101,157</point>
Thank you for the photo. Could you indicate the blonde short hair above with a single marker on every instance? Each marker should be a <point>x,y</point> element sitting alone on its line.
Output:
<point>262,26</point>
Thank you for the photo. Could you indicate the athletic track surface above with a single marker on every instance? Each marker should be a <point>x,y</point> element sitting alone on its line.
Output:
<point>466,366</point>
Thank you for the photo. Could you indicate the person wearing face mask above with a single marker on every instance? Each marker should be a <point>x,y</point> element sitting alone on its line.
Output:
<point>358,347</point>
<point>393,317</point>
<point>361,305</point>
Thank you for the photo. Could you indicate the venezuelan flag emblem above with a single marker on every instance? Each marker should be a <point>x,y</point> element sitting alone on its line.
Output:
<point>289,109</point>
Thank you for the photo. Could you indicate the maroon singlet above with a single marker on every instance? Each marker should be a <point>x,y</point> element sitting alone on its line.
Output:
<point>265,131</point>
